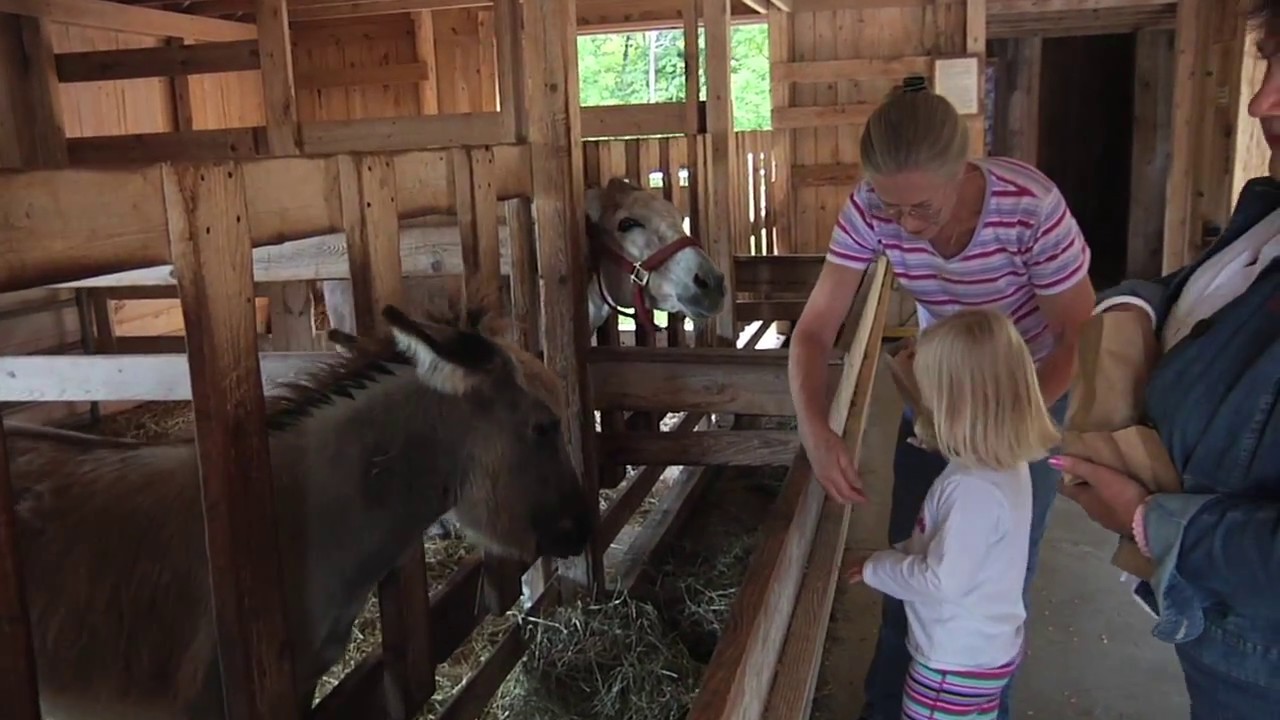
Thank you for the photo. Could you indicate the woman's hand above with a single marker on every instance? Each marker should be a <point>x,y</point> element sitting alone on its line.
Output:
<point>1110,498</point>
<point>833,468</point>
<point>854,563</point>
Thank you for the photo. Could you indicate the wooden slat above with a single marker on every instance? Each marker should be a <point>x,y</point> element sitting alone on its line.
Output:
<point>1180,232</point>
<point>367,202</point>
<point>793,118</point>
<point>626,502</point>
<point>717,177</point>
<point>47,120</point>
<point>813,71</point>
<point>185,146</point>
<point>605,121</point>
<point>123,18</point>
<point>280,100</point>
<point>737,680</point>
<point>774,274</point>
<point>211,255</point>
<point>18,684</point>
<point>523,251</point>
<point>403,133</point>
<point>791,695</point>
<point>321,78</point>
<point>769,310</point>
<point>511,75</point>
<point>168,60</point>
<point>555,136</point>
<point>478,222</point>
<point>711,447</point>
<point>826,175</point>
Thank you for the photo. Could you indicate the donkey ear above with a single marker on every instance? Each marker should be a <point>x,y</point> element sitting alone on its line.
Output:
<point>344,340</point>
<point>447,359</point>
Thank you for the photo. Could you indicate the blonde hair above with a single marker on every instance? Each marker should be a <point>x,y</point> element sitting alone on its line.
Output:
<point>978,381</point>
<point>914,131</point>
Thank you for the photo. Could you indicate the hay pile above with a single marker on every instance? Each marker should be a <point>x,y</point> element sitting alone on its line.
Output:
<point>615,659</point>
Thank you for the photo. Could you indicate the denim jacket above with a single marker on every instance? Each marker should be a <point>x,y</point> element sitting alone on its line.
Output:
<point>1212,398</point>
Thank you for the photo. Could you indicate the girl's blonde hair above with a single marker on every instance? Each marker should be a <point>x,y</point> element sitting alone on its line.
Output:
<point>914,131</point>
<point>978,382</point>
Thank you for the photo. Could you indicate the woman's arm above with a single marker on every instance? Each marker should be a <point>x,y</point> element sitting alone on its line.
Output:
<point>1057,261</point>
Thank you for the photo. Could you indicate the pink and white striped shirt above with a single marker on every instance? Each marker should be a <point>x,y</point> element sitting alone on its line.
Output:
<point>1027,245</point>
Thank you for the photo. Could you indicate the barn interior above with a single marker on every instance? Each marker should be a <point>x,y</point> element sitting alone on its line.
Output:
<point>465,133</point>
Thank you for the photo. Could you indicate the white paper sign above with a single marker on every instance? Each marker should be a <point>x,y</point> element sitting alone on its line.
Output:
<point>956,79</point>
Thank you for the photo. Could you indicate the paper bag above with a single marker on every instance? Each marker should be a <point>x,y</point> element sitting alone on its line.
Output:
<point>1116,354</point>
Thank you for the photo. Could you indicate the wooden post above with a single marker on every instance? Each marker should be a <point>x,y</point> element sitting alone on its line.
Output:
<point>1152,125</point>
<point>279,97</point>
<point>367,189</point>
<point>511,86</point>
<point>180,92</point>
<point>18,684</point>
<point>1181,231</point>
<point>424,48</point>
<point>1022,134</point>
<point>211,253</point>
<point>523,250</point>
<point>477,205</point>
<point>780,204</point>
<point>718,176</point>
<point>39,114</point>
<point>555,148</point>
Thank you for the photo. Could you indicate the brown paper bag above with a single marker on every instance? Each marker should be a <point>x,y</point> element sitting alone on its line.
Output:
<point>1117,352</point>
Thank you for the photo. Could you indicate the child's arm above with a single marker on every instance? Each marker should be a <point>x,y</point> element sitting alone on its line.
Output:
<point>967,525</point>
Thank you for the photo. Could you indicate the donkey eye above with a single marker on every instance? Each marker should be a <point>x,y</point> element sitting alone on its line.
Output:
<point>627,223</point>
<point>547,428</point>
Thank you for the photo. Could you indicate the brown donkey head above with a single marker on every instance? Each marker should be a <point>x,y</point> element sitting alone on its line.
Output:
<point>522,495</point>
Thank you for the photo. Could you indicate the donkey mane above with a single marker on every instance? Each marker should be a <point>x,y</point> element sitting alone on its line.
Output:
<point>368,360</point>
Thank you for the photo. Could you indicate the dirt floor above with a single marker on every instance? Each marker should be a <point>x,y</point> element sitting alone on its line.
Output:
<point>1091,654</point>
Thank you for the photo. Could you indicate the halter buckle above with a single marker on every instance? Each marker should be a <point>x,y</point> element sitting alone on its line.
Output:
<point>639,275</point>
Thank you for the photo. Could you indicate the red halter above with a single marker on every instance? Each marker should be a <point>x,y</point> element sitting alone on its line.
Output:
<point>639,273</point>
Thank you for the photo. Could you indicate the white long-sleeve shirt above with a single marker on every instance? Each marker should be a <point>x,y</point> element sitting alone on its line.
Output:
<point>960,575</point>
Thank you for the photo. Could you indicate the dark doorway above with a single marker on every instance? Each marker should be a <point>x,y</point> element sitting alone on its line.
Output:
<point>1086,139</point>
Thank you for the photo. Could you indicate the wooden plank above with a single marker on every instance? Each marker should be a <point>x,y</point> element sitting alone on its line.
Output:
<point>366,198</point>
<point>123,18</point>
<point>142,377</point>
<point>429,246</point>
<point>1152,125</point>
<point>794,118</point>
<point>424,50</point>
<point>555,136</point>
<point>717,179</point>
<point>737,680</point>
<point>769,310</point>
<point>815,71</point>
<point>523,251</point>
<point>727,387</point>
<point>402,133</point>
<point>1180,233</point>
<point>777,274</point>
<point>18,684</point>
<point>511,75</point>
<point>826,175</point>
<point>206,209</point>
<point>183,146</point>
<point>712,447</point>
<point>180,95</point>
<point>169,60</point>
<point>791,695</point>
<point>47,120</point>
<point>608,121</point>
<point>478,222</point>
<point>662,523</point>
<point>321,78</point>
<point>279,98</point>
<point>626,502</point>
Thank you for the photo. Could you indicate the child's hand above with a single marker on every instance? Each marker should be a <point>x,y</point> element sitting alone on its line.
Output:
<point>854,563</point>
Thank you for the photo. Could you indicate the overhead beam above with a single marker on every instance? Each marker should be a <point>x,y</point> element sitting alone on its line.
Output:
<point>129,19</point>
<point>161,61</point>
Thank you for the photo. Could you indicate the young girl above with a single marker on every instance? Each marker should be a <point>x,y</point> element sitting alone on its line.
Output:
<point>960,575</point>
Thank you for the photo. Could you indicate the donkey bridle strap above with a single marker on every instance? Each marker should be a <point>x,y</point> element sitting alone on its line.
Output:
<point>640,272</point>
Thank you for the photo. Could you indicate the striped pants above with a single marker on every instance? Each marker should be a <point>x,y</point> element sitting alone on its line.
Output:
<point>951,694</point>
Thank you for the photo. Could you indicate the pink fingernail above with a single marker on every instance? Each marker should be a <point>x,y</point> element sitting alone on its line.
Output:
<point>1056,462</point>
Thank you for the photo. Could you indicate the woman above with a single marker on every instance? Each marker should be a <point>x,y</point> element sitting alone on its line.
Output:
<point>986,233</point>
<point>1213,398</point>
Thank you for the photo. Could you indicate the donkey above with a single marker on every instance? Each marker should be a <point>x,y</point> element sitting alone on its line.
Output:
<point>641,257</point>
<point>366,452</point>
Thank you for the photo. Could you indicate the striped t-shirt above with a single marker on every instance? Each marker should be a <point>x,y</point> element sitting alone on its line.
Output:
<point>1027,244</point>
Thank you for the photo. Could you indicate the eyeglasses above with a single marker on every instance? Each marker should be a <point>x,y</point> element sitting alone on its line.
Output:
<point>924,211</point>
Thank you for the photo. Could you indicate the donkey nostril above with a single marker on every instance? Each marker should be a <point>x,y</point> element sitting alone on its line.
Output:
<point>701,282</point>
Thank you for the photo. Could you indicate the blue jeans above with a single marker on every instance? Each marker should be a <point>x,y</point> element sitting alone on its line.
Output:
<point>914,470</point>
<point>1216,694</point>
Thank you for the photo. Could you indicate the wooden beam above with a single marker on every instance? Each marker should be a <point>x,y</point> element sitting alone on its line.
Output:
<point>555,137</point>
<point>279,98</point>
<point>424,50</point>
<point>123,18</point>
<point>180,95</point>
<point>47,119</point>
<point>712,447</point>
<point>825,175</point>
<point>608,121</point>
<point>791,695</point>
<point>168,60</point>
<point>18,682</point>
<point>794,118</point>
<point>777,274</point>
<point>206,208</point>
<point>823,71</point>
<point>1180,231</point>
<point>511,75</point>
<point>717,176</point>
<point>403,133</point>
<point>1152,126</point>
<point>736,682</point>
<point>181,146</point>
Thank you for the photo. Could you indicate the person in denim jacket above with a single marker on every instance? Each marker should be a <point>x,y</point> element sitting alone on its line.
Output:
<point>1213,399</point>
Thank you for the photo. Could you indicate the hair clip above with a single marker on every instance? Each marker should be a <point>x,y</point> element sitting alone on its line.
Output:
<point>914,83</point>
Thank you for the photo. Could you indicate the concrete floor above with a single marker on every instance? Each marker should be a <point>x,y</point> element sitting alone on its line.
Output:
<point>1090,653</point>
